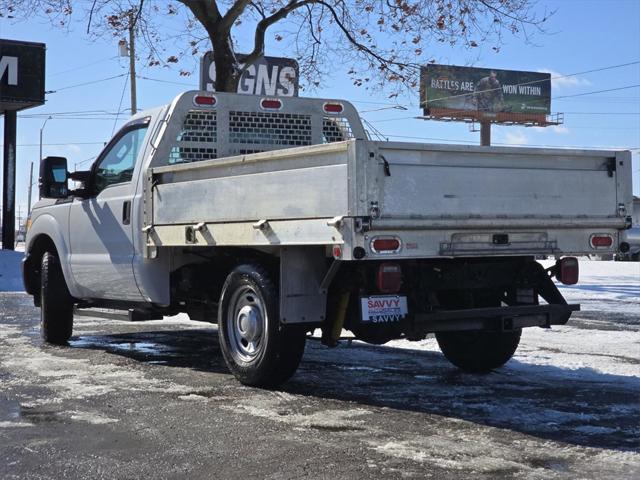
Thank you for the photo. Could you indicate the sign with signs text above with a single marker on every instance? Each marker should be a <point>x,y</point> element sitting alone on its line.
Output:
<point>269,76</point>
<point>21,74</point>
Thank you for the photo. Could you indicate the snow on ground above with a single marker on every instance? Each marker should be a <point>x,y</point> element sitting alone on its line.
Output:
<point>605,288</point>
<point>608,286</point>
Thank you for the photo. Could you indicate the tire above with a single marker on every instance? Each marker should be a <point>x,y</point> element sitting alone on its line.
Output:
<point>478,351</point>
<point>256,348</point>
<point>56,303</point>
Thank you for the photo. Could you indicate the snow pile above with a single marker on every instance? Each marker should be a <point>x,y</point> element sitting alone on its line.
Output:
<point>10,273</point>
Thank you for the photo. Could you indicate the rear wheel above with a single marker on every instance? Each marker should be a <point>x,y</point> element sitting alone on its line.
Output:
<point>257,349</point>
<point>478,351</point>
<point>56,303</point>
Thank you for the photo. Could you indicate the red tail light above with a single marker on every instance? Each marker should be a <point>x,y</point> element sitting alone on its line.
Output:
<point>333,107</point>
<point>389,278</point>
<point>385,245</point>
<point>270,104</point>
<point>204,100</point>
<point>337,251</point>
<point>601,241</point>
<point>568,270</point>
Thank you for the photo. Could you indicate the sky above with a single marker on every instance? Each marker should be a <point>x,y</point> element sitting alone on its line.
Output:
<point>582,35</point>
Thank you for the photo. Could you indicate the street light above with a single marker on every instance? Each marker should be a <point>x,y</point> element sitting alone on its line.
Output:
<point>41,130</point>
<point>31,169</point>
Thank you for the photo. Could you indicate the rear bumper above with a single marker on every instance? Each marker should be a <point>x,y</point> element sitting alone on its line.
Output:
<point>495,319</point>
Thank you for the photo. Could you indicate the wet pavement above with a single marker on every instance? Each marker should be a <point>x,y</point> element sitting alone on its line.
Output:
<point>155,400</point>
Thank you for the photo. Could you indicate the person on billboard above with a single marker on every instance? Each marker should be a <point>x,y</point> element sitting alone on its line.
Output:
<point>488,94</point>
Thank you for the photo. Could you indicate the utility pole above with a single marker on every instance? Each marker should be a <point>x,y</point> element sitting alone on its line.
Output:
<point>132,61</point>
<point>30,189</point>
<point>19,223</point>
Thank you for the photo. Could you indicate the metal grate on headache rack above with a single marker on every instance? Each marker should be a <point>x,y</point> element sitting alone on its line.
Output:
<point>250,132</point>
<point>191,154</point>
<point>335,129</point>
<point>269,129</point>
<point>199,127</point>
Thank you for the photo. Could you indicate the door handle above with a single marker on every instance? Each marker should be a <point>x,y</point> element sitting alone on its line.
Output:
<point>126,212</point>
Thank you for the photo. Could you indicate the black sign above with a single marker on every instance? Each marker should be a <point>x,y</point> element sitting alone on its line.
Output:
<point>21,75</point>
<point>269,76</point>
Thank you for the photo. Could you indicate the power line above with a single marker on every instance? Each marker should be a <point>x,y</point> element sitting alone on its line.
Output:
<point>86,83</point>
<point>60,115</point>
<point>565,113</point>
<point>393,119</point>
<point>85,161</point>
<point>598,91</point>
<point>526,83</point>
<point>165,81</point>
<point>601,113</point>
<point>124,88</point>
<point>109,118</point>
<point>544,80</point>
<point>57,144</point>
<point>82,66</point>
<point>456,140</point>
<point>71,112</point>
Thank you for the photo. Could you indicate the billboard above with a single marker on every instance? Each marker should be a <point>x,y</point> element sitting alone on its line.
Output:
<point>270,76</point>
<point>481,93</point>
<point>21,74</point>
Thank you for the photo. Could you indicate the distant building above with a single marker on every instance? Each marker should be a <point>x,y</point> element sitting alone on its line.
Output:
<point>636,212</point>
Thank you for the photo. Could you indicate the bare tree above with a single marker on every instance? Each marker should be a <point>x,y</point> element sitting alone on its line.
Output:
<point>381,41</point>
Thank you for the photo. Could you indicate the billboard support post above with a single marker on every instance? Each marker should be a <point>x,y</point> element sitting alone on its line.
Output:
<point>9,181</point>
<point>485,133</point>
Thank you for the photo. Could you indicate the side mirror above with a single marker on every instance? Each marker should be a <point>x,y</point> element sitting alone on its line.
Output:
<point>54,178</point>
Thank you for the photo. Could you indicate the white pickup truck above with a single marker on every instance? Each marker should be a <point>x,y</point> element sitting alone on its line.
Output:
<point>277,216</point>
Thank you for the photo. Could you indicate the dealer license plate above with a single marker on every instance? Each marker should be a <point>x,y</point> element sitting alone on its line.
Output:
<point>384,308</point>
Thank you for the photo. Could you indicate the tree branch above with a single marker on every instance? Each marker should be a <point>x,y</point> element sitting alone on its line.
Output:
<point>311,32</point>
<point>523,20</point>
<point>264,24</point>
<point>206,12</point>
<point>135,20</point>
<point>355,43</point>
<point>232,15</point>
<point>93,6</point>
<point>258,9</point>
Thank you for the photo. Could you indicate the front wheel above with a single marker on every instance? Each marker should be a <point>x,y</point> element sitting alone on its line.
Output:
<point>478,351</point>
<point>56,303</point>
<point>256,348</point>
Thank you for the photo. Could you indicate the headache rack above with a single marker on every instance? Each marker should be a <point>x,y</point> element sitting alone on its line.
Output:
<point>216,125</point>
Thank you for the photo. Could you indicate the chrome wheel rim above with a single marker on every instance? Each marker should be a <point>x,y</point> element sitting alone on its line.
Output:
<point>247,319</point>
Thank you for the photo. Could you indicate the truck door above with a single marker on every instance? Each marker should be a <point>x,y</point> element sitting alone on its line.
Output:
<point>100,227</point>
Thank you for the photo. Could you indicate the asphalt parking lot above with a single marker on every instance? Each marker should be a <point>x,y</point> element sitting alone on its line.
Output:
<point>154,400</point>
